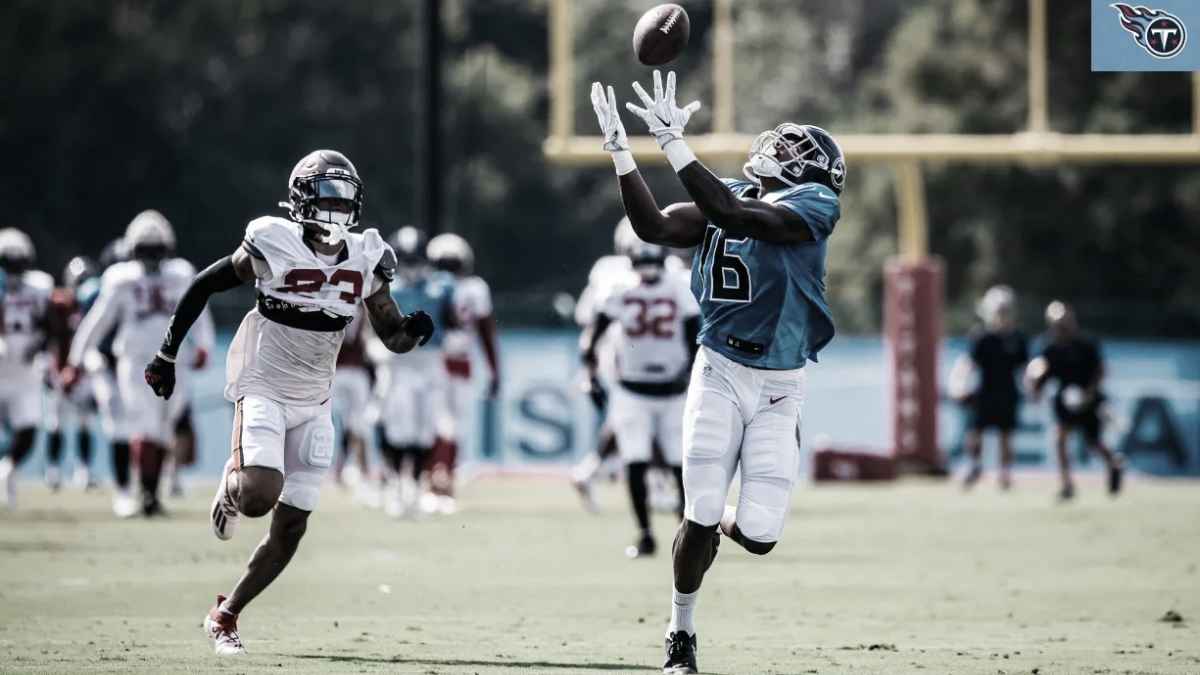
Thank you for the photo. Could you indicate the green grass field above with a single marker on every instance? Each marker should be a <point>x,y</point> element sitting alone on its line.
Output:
<point>915,577</point>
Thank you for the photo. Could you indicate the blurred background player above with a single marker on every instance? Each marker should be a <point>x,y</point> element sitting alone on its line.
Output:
<point>74,409</point>
<point>351,403</point>
<point>608,272</point>
<point>759,279</point>
<point>412,388</point>
<point>657,321</point>
<point>985,380</point>
<point>24,300</point>
<point>474,317</point>
<point>100,365</point>
<point>138,296</point>
<point>1074,361</point>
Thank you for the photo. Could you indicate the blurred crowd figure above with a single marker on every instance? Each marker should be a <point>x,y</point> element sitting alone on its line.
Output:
<point>997,354</point>
<point>988,382</point>
<point>1075,362</point>
<point>414,406</point>
<point>74,353</point>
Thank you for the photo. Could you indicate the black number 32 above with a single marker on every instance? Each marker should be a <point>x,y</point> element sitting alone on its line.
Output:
<point>728,276</point>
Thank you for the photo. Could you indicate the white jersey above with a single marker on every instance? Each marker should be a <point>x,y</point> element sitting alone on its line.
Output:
<point>23,308</point>
<point>472,302</point>
<point>286,347</point>
<point>651,343</point>
<point>139,302</point>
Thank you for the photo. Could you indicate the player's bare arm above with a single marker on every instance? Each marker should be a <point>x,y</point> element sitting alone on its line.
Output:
<point>227,273</point>
<point>711,197</point>
<point>399,332</point>
<point>681,224</point>
<point>752,218</point>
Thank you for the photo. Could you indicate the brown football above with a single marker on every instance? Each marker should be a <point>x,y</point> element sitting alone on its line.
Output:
<point>661,34</point>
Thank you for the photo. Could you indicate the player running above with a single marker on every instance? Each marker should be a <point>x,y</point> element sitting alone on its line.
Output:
<point>657,323</point>
<point>758,274</point>
<point>474,317</point>
<point>607,272</point>
<point>311,273</point>
<point>74,408</point>
<point>24,299</point>
<point>1075,362</point>
<point>412,390</point>
<point>997,355</point>
<point>136,297</point>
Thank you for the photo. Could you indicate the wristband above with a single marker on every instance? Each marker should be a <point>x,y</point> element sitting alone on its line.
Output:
<point>163,355</point>
<point>623,161</point>
<point>678,154</point>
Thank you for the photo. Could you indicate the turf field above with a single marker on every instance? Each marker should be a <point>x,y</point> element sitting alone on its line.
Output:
<point>910,578</point>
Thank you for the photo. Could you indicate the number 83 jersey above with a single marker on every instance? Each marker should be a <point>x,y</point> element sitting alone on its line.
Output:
<point>286,347</point>
<point>762,304</point>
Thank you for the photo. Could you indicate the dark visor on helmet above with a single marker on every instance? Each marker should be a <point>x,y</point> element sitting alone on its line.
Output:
<point>335,188</point>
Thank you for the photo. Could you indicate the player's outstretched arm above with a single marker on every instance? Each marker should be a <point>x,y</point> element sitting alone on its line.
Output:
<point>680,225</point>
<point>228,272</point>
<point>714,200</point>
<point>397,331</point>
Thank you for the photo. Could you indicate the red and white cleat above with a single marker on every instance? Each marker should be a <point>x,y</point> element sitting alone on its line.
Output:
<point>224,513</point>
<point>221,628</point>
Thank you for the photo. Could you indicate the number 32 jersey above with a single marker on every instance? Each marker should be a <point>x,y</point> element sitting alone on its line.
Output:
<point>763,304</point>
<point>651,345</point>
<point>286,347</point>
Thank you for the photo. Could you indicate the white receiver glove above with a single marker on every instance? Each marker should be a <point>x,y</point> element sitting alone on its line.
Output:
<point>662,116</point>
<point>611,127</point>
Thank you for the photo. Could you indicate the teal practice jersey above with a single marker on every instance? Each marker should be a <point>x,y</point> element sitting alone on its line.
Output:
<point>763,304</point>
<point>431,293</point>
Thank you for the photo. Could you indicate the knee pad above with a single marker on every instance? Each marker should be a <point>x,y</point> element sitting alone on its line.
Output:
<point>704,488</point>
<point>758,523</point>
<point>301,489</point>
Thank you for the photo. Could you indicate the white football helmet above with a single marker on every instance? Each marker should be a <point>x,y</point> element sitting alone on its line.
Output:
<point>997,306</point>
<point>451,253</point>
<point>648,259</point>
<point>624,238</point>
<point>149,228</point>
<point>16,251</point>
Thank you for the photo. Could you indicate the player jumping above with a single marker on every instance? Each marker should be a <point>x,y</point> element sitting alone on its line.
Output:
<point>758,274</point>
<point>311,273</point>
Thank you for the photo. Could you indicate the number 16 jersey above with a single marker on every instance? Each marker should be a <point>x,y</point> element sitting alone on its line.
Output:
<point>286,347</point>
<point>763,304</point>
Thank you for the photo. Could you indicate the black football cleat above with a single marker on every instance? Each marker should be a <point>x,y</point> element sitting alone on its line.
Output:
<point>1116,472</point>
<point>1067,493</point>
<point>152,507</point>
<point>972,477</point>
<point>681,654</point>
<point>645,547</point>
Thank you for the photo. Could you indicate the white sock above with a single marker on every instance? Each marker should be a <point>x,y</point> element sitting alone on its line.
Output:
<point>683,605</point>
<point>224,608</point>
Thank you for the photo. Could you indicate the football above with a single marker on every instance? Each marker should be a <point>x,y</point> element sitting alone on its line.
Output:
<point>661,35</point>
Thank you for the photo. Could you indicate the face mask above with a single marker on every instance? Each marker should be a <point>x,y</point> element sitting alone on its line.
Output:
<point>336,225</point>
